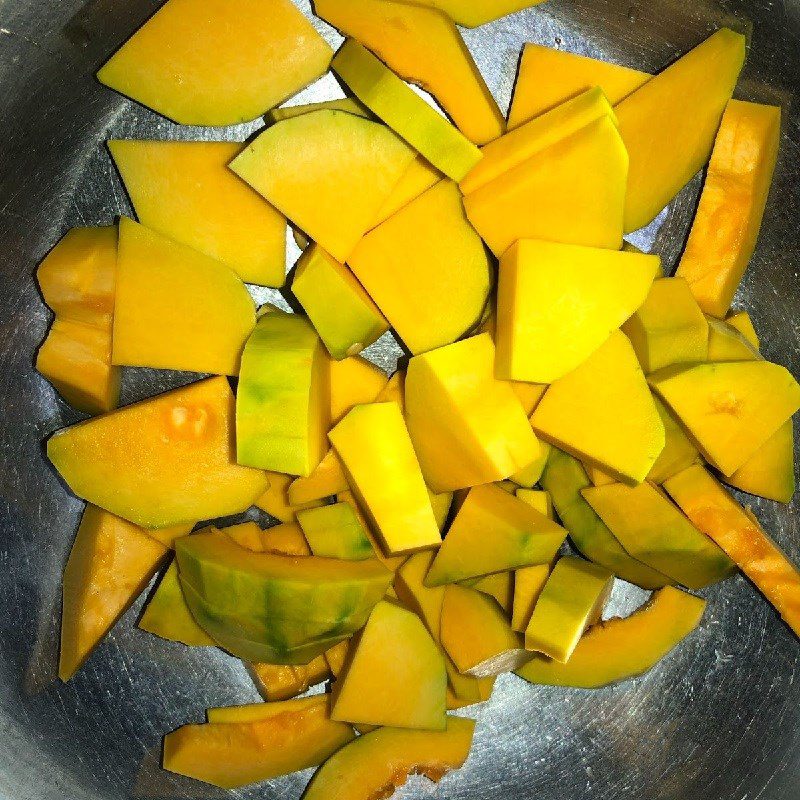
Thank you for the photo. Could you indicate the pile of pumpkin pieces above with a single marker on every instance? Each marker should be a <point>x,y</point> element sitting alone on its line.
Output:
<point>574,391</point>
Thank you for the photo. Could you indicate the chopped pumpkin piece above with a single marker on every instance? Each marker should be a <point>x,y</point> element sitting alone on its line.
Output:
<point>620,649</point>
<point>499,585</point>
<point>467,426</point>
<point>538,499</point>
<point>528,585</point>
<point>353,380</point>
<point>162,461</point>
<point>744,324</point>
<point>726,343</point>
<point>738,533</point>
<point>679,451</point>
<point>287,539</point>
<point>725,228</point>
<point>185,191</point>
<point>470,14</point>
<point>424,600</point>
<point>419,176</point>
<point>769,472</point>
<point>428,242</point>
<point>603,411</point>
<point>520,537</point>
<point>395,675</point>
<point>284,681</point>
<point>529,476</point>
<point>349,104</point>
<point>668,124</point>
<point>548,77</point>
<point>328,171</point>
<point>216,62</point>
<point>110,563</point>
<point>326,479</point>
<point>335,531</point>
<point>275,499</point>
<point>557,303</point>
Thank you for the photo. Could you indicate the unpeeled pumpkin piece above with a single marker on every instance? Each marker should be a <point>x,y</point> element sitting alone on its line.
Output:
<point>395,676</point>
<point>110,563</point>
<point>343,314</point>
<point>328,171</point>
<point>494,531</point>
<point>283,400</point>
<point>185,191</point>
<point>374,445</point>
<point>175,307</point>
<point>668,125</point>
<point>467,426</point>
<point>162,461</point>
<point>619,649</point>
<point>404,111</point>
<point>715,512</point>
<point>548,77</point>
<point>730,409</point>
<point>769,472</point>
<point>297,734</point>
<point>557,303</point>
<point>382,760</point>
<point>427,243</point>
<point>728,218</point>
<point>516,147</point>
<point>653,530</point>
<point>424,47</point>
<point>572,192</point>
<point>217,62</point>
<point>603,411</point>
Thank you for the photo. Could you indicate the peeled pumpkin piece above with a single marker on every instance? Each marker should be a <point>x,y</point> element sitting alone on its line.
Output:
<point>167,615</point>
<point>419,176</point>
<point>537,499</point>
<point>428,242</point>
<point>395,675</point>
<point>376,450</point>
<point>328,171</point>
<point>404,111</point>
<point>714,511</point>
<point>423,47</point>
<point>731,207</point>
<point>161,461</point>
<point>744,324</point>
<point>245,534</point>
<point>528,585</point>
<point>603,412</point>
<point>464,690</point>
<point>76,358</point>
<point>283,399</point>
<point>499,585</point>
<point>110,563</point>
<point>326,479</point>
<point>731,408</point>
<point>168,535</point>
<point>176,308</point>
<point>215,62</point>
<point>494,531</point>
<point>557,303</point>
<point>548,77</point>
<point>476,635</point>
<point>655,531</point>
<point>342,313</point>
<point>411,588</point>
<point>287,539</point>
<point>529,476</point>
<point>253,712</point>
<point>349,104</point>
<point>382,760</point>
<point>669,327</point>
<point>185,191</point>
<point>571,192</point>
<point>769,472</point>
<point>679,451</point>
<point>563,478</point>
<point>353,381</point>
<point>467,426</point>
<point>284,681</point>
<point>597,476</point>
<point>234,754</point>
<point>335,531</point>
<point>78,276</point>
<point>470,14</point>
<point>619,649</point>
<point>517,146</point>
<point>275,499</point>
<point>668,125</point>
<point>726,343</point>
<point>571,601</point>
<point>391,562</point>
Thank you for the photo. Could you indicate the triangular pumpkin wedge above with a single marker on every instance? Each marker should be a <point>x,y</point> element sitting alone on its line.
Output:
<point>396,674</point>
<point>110,563</point>
<point>729,408</point>
<point>328,478</point>
<point>557,303</point>
<point>769,472</point>
<point>571,192</point>
<point>184,190</point>
<point>176,308</point>
<point>669,124</point>
<point>328,171</point>
<point>603,412</point>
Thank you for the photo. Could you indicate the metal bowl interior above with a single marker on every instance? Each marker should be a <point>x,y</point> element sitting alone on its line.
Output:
<point>719,719</point>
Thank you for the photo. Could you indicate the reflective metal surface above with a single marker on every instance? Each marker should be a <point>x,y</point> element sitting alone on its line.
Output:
<point>718,720</point>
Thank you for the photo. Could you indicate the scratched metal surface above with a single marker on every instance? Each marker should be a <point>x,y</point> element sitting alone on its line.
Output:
<point>717,720</point>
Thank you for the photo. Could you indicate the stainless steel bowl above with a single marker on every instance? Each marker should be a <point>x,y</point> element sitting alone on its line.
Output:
<point>719,719</point>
